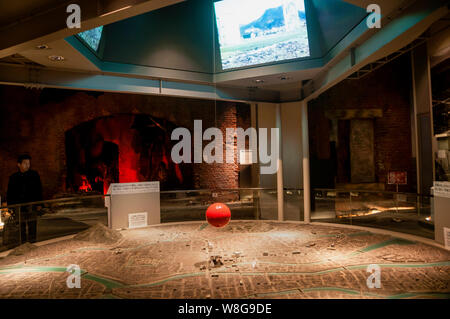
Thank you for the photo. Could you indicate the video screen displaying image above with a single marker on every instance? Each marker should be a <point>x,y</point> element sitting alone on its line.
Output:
<point>254,32</point>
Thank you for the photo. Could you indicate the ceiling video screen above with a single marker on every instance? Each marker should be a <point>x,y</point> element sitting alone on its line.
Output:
<point>254,32</point>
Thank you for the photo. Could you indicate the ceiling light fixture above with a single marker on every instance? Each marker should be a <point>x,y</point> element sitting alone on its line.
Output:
<point>56,58</point>
<point>258,81</point>
<point>42,47</point>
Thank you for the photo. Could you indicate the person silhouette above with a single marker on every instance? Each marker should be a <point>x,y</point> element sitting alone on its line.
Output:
<point>24,187</point>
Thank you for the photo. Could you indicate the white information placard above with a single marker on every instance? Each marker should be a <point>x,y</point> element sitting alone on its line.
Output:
<point>441,189</point>
<point>134,188</point>
<point>137,220</point>
<point>447,238</point>
<point>246,157</point>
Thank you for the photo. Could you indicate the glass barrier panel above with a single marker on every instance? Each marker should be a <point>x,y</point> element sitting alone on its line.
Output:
<point>178,206</point>
<point>329,205</point>
<point>46,220</point>
<point>268,204</point>
<point>293,204</point>
<point>400,212</point>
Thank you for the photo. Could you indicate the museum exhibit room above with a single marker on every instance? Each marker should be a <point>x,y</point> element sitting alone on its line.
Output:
<point>225,150</point>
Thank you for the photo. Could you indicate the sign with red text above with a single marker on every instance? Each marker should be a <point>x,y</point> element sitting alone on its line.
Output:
<point>397,178</point>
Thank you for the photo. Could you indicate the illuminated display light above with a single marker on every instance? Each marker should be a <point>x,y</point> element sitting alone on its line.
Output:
<point>92,37</point>
<point>255,32</point>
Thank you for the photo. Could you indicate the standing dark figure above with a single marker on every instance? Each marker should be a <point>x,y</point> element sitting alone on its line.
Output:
<point>24,187</point>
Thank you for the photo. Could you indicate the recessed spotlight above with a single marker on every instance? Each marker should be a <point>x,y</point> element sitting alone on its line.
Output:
<point>56,58</point>
<point>258,81</point>
<point>284,78</point>
<point>42,47</point>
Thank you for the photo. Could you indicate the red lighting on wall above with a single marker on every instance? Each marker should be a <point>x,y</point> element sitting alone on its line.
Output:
<point>117,131</point>
<point>85,185</point>
<point>122,149</point>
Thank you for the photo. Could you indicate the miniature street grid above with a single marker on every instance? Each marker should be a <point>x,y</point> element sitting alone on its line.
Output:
<point>245,259</point>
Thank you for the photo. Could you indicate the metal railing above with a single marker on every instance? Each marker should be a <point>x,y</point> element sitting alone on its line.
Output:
<point>397,211</point>
<point>402,212</point>
<point>48,219</point>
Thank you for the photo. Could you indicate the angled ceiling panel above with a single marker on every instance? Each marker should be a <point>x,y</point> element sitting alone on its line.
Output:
<point>183,37</point>
<point>336,19</point>
<point>176,37</point>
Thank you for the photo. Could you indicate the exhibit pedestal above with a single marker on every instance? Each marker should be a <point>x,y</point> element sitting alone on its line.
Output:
<point>133,205</point>
<point>441,191</point>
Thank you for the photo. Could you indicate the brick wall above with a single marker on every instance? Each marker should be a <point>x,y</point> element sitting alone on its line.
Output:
<point>35,122</point>
<point>387,88</point>
<point>219,175</point>
<point>228,115</point>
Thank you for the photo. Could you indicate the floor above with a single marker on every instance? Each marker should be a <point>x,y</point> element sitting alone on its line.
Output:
<point>252,259</point>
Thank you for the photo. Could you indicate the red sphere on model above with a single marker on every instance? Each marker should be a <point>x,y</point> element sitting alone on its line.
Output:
<point>218,215</point>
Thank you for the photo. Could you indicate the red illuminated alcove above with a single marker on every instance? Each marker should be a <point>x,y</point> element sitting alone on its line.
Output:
<point>121,149</point>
